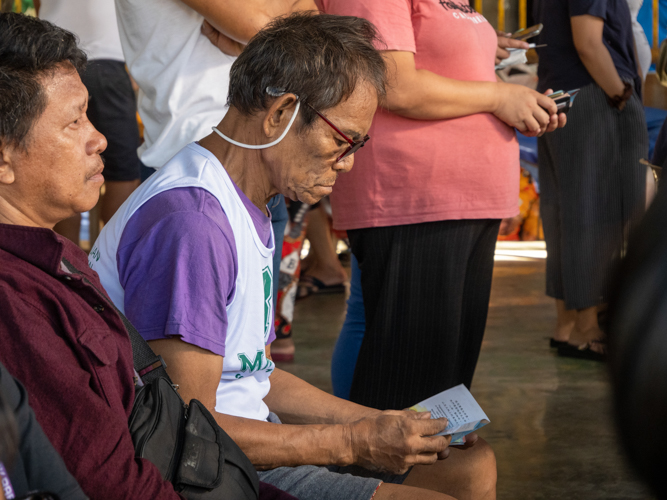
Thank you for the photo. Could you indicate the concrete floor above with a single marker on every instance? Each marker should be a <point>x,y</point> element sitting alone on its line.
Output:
<point>550,423</point>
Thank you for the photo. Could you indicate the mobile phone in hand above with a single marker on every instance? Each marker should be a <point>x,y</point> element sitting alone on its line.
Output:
<point>564,100</point>
<point>527,33</point>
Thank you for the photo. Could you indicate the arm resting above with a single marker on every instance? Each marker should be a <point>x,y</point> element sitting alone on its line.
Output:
<point>240,20</point>
<point>423,95</point>
<point>198,371</point>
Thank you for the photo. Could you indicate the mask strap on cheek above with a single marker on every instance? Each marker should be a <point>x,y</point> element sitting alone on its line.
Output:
<point>261,146</point>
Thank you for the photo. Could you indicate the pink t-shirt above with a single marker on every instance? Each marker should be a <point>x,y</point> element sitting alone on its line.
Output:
<point>414,171</point>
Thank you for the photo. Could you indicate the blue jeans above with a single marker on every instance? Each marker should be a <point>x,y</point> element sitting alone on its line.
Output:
<point>279,218</point>
<point>351,336</point>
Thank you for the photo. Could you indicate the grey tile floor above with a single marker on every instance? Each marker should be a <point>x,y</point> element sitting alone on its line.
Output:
<point>550,422</point>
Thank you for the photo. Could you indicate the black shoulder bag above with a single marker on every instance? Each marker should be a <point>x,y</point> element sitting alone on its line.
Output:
<point>184,441</point>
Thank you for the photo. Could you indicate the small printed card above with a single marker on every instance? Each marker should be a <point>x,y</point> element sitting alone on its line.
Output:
<point>463,413</point>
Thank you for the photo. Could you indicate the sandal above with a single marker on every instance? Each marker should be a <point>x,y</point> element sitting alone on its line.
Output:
<point>557,343</point>
<point>583,351</point>
<point>310,285</point>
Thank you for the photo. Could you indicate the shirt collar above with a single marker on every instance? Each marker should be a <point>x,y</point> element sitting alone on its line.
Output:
<point>41,247</point>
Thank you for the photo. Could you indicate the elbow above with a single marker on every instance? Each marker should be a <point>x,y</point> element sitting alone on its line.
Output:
<point>400,103</point>
<point>588,49</point>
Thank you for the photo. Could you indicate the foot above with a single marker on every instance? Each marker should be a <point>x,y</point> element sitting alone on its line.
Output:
<point>593,339</point>
<point>327,275</point>
<point>563,332</point>
<point>566,320</point>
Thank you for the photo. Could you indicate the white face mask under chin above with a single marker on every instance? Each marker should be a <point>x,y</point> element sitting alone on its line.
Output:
<point>261,146</point>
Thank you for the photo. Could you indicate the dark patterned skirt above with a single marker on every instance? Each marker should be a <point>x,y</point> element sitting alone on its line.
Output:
<point>593,189</point>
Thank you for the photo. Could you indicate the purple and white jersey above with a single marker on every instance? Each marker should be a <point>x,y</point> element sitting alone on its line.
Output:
<point>189,256</point>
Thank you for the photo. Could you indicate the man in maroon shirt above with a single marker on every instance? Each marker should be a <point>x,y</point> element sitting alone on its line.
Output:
<point>58,335</point>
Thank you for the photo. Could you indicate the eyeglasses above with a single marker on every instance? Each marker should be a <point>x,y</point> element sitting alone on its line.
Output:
<point>354,145</point>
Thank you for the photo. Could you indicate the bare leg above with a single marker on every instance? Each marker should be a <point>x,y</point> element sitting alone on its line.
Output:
<point>388,491</point>
<point>115,194</point>
<point>69,228</point>
<point>565,322</point>
<point>322,262</point>
<point>467,474</point>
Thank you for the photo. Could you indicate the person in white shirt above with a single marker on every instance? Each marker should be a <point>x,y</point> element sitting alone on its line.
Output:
<point>174,50</point>
<point>179,52</point>
<point>188,258</point>
<point>642,46</point>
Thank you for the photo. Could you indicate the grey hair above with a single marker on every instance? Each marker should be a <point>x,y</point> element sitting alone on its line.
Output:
<point>320,58</point>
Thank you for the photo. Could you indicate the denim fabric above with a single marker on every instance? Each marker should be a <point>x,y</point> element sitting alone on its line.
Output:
<point>279,218</point>
<point>351,336</point>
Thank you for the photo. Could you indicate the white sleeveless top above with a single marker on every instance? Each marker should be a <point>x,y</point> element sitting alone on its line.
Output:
<point>245,377</point>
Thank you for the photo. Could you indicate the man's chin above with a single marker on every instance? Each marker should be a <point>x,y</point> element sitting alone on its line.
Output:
<point>89,204</point>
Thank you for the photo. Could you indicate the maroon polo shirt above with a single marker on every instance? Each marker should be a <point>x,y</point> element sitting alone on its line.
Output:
<point>68,346</point>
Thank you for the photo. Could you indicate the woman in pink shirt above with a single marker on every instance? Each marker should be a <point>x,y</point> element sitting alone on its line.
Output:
<point>424,202</point>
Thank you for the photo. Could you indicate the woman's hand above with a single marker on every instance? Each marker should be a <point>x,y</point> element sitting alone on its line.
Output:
<point>504,43</point>
<point>530,112</point>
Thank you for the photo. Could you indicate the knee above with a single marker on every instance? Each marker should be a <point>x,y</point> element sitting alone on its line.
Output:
<point>483,471</point>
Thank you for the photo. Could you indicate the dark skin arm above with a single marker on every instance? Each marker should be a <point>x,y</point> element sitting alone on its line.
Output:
<point>587,35</point>
<point>319,429</point>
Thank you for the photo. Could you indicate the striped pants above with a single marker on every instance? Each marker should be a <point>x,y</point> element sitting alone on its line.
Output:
<point>426,294</point>
<point>592,189</point>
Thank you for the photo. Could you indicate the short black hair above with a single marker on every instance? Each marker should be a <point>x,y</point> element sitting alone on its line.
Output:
<point>638,347</point>
<point>30,49</point>
<point>320,58</point>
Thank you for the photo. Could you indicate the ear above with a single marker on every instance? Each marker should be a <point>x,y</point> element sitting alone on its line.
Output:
<point>7,175</point>
<point>278,115</point>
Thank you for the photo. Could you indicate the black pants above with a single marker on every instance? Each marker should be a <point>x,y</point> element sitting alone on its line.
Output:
<point>426,294</point>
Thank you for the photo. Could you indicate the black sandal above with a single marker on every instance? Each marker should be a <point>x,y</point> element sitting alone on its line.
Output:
<point>583,351</point>
<point>556,343</point>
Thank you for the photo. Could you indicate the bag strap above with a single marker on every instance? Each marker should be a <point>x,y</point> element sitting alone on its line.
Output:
<point>147,364</point>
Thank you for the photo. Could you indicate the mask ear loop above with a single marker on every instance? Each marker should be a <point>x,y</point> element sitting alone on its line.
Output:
<point>272,91</point>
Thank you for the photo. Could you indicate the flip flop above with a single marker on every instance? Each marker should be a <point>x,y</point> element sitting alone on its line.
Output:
<point>309,285</point>
<point>583,352</point>
<point>557,343</point>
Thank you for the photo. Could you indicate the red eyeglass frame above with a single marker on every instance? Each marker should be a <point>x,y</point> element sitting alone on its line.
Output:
<point>354,145</point>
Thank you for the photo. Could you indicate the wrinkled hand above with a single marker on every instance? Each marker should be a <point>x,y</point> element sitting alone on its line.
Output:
<point>394,441</point>
<point>504,43</point>
<point>530,112</point>
<point>225,44</point>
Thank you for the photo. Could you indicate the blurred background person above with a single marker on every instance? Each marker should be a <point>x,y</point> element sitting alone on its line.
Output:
<point>592,184</point>
<point>112,108</point>
<point>423,207</point>
<point>638,348</point>
<point>642,47</point>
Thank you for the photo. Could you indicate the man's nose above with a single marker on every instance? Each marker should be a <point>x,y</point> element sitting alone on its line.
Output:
<point>96,144</point>
<point>345,165</point>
